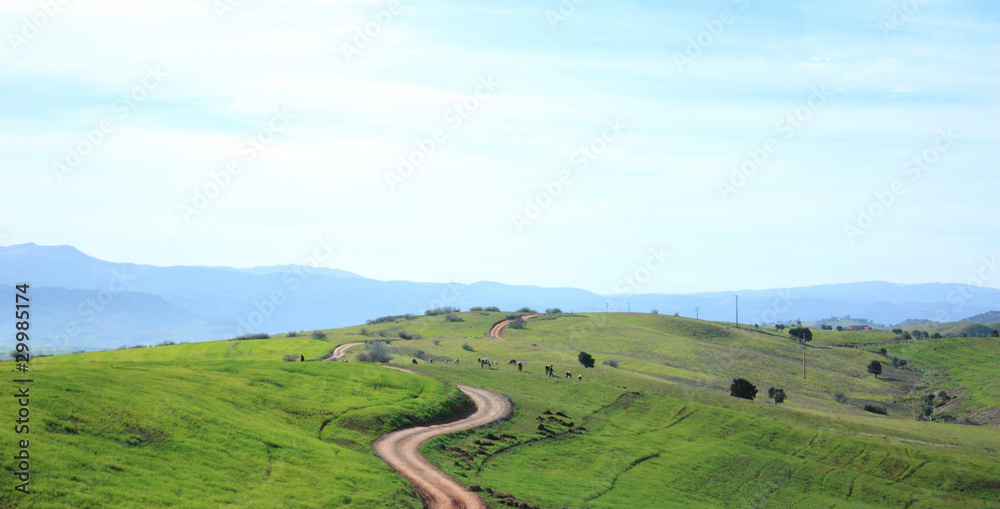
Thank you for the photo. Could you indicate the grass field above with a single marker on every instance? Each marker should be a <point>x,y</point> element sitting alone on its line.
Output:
<point>217,425</point>
<point>662,430</point>
<point>228,424</point>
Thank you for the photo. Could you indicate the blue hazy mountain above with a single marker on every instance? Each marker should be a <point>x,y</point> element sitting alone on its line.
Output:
<point>110,304</point>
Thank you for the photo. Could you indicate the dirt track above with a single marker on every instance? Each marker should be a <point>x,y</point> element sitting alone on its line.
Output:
<point>497,330</point>
<point>401,449</point>
<point>340,351</point>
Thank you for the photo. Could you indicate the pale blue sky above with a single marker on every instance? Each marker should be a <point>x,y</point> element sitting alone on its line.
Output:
<point>661,181</point>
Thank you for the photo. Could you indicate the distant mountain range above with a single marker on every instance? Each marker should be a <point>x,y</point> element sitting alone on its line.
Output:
<point>82,303</point>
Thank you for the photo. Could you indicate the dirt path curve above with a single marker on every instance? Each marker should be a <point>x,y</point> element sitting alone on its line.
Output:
<point>497,330</point>
<point>340,351</point>
<point>401,449</point>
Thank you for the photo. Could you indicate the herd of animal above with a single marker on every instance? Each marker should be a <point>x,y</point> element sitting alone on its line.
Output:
<point>484,362</point>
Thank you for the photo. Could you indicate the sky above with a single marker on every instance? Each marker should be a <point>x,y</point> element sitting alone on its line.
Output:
<point>699,145</point>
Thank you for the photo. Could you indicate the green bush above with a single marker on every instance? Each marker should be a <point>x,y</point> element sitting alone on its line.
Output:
<point>875,409</point>
<point>452,317</point>
<point>468,347</point>
<point>408,335</point>
<point>290,357</point>
<point>586,359</point>
<point>377,351</point>
<point>491,308</point>
<point>255,335</point>
<point>610,362</point>
<point>526,309</point>
<point>742,388</point>
<point>318,335</point>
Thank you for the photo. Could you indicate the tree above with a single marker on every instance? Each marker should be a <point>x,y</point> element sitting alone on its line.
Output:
<point>906,335</point>
<point>897,331</point>
<point>801,333</point>
<point>780,326</point>
<point>742,388</point>
<point>937,335</point>
<point>586,359</point>
<point>840,328</point>
<point>778,395</point>
<point>875,368</point>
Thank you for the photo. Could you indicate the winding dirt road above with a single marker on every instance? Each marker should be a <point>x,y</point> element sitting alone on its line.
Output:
<point>340,351</point>
<point>497,330</point>
<point>401,449</point>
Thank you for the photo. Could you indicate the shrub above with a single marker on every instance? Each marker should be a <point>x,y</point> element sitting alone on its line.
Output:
<point>840,397</point>
<point>742,388</point>
<point>654,311</point>
<point>290,357</point>
<point>377,351</point>
<point>553,311</point>
<point>677,313</point>
<point>475,308</point>
<point>452,317</point>
<point>436,342</point>
<point>780,326</point>
<point>254,335</point>
<point>165,343</point>
<point>883,351</point>
<point>491,308</point>
<point>937,335</point>
<point>384,333</point>
<point>468,347</point>
<point>408,335</point>
<point>875,409</point>
<point>518,323</point>
<point>899,362</point>
<point>840,328</point>
<point>364,331</point>
<point>610,362</point>
<point>293,334</point>
<point>318,335</point>
<point>875,368</point>
<point>778,395</point>
<point>801,333</point>
<point>390,318</point>
<point>526,309</point>
<point>586,359</point>
<point>441,311</point>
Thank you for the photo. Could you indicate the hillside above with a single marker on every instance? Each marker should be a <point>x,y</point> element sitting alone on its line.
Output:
<point>208,425</point>
<point>658,428</point>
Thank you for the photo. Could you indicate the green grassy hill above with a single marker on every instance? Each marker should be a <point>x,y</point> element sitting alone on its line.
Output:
<point>224,424</point>
<point>662,429</point>
<point>229,424</point>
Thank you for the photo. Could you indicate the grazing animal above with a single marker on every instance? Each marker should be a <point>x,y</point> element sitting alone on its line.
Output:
<point>519,366</point>
<point>302,358</point>
<point>512,362</point>
<point>432,360</point>
<point>579,378</point>
<point>456,361</point>
<point>414,361</point>
<point>569,375</point>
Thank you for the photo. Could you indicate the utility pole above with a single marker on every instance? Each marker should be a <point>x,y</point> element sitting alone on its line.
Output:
<point>696,312</point>
<point>737,311</point>
<point>803,360</point>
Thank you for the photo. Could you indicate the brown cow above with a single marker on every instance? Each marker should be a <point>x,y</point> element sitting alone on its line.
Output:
<point>414,361</point>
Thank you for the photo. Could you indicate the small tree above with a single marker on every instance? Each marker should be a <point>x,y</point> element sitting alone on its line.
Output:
<point>742,388</point>
<point>840,328</point>
<point>801,333</point>
<point>875,368</point>
<point>780,326</point>
<point>610,362</point>
<point>777,395</point>
<point>318,335</point>
<point>290,357</point>
<point>377,352</point>
<point>586,359</point>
